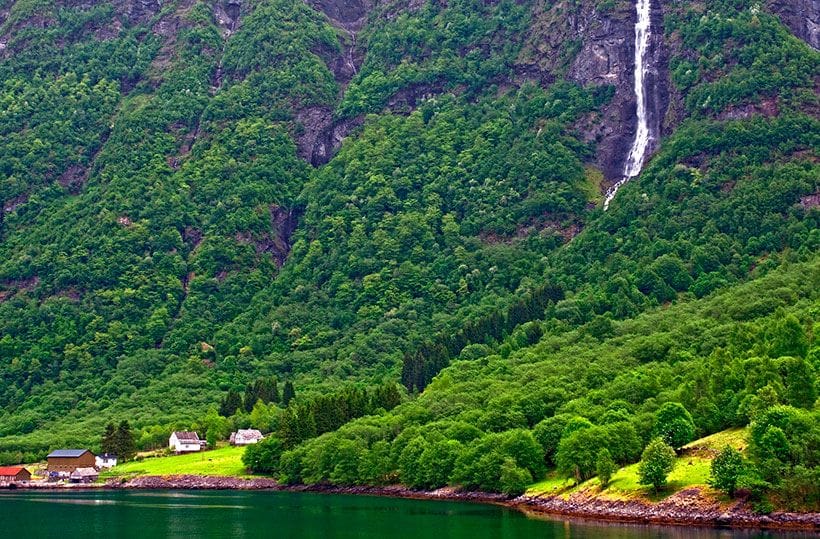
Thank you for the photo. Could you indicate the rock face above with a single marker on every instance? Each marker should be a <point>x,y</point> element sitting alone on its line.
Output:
<point>801,16</point>
<point>137,11</point>
<point>596,48</point>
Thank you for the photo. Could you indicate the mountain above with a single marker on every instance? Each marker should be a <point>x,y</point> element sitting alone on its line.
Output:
<point>199,195</point>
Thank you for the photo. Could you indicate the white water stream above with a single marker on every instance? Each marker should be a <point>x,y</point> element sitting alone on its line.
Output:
<point>637,152</point>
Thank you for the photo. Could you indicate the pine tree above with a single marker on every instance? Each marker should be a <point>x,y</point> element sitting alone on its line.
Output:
<point>251,396</point>
<point>108,443</point>
<point>231,403</point>
<point>288,393</point>
<point>124,442</point>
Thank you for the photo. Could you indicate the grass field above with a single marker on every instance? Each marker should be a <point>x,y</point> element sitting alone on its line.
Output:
<point>691,470</point>
<point>732,437</point>
<point>225,461</point>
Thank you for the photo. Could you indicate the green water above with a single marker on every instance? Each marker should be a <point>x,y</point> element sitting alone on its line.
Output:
<point>200,515</point>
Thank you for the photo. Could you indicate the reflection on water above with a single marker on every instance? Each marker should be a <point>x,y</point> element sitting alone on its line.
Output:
<point>214,514</point>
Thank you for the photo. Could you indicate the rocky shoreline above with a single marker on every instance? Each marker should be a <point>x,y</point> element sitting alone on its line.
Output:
<point>688,507</point>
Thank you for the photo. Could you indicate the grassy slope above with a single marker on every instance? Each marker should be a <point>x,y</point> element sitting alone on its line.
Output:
<point>691,470</point>
<point>223,462</point>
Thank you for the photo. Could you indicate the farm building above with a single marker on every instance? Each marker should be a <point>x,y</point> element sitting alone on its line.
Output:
<point>68,460</point>
<point>84,475</point>
<point>10,474</point>
<point>184,442</point>
<point>245,437</point>
<point>106,460</point>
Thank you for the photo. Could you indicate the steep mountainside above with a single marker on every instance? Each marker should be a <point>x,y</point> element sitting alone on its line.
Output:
<point>200,193</point>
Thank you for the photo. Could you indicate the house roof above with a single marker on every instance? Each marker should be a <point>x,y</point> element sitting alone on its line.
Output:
<point>107,456</point>
<point>185,436</point>
<point>248,434</point>
<point>71,453</point>
<point>85,472</point>
<point>10,470</point>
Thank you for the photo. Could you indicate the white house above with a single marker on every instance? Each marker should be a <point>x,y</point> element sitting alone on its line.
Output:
<point>106,460</point>
<point>184,442</point>
<point>245,437</point>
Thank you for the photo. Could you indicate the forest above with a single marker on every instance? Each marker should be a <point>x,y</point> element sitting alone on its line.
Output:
<point>439,300</point>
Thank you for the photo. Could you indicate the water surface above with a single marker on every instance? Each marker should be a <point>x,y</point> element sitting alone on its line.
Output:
<point>217,514</point>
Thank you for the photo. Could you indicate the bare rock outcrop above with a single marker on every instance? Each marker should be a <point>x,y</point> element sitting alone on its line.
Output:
<point>802,17</point>
<point>595,47</point>
<point>137,11</point>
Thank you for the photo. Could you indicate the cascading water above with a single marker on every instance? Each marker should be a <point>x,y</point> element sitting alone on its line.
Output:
<point>637,152</point>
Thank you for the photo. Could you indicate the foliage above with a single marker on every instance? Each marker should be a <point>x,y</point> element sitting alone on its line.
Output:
<point>726,468</point>
<point>657,460</point>
<point>604,466</point>
<point>263,456</point>
<point>674,424</point>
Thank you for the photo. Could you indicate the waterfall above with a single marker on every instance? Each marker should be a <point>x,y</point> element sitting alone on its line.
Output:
<point>634,161</point>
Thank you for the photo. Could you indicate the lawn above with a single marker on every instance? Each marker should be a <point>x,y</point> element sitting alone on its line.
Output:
<point>552,485</point>
<point>691,469</point>
<point>225,461</point>
<point>733,437</point>
<point>688,472</point>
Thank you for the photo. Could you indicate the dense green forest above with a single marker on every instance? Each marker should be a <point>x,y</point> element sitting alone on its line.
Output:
<point>446,287</point>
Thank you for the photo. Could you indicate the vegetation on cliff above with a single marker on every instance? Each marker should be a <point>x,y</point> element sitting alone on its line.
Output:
<point>167,247</point>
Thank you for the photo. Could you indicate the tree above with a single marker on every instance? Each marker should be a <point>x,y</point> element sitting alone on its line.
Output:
<point>230,404</point>
<point>108,443</point>
<point>674,424</point>
<point>577,452</point>
<point>657,461</point>
<point>787,338</point>
<point>125,448</point>
<point>263,456</point>
<point>726,468</point>
<point>288,393</point>
<point>605,467</point>
<point>514,479</point>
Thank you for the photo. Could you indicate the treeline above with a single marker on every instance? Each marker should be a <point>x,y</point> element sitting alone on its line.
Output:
<point>585,399</point>
<point>421,366</point>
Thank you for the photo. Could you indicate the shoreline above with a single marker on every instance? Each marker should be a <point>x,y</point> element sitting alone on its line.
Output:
<point>685,508</point>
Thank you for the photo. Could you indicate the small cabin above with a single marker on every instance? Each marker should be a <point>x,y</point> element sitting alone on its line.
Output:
<point>84,475</point>
<point>245,437</point>
<point>68,460</point>
<point>184,442</point>
<point>106,460</point>
<point>14,474</point>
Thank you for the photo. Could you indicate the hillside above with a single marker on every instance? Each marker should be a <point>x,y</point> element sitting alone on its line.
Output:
<point>199,195</point>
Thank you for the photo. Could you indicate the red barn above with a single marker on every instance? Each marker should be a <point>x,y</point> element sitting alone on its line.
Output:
<point>10,474</point>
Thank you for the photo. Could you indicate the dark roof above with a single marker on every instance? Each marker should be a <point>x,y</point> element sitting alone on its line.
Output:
<point>72,453</point>
<point>10,470</point>
<point>186,436</point>
<point>107,456</point>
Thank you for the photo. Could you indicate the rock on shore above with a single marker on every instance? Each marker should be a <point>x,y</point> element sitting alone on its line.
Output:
<point>194,482</point>
<point>688,507</point>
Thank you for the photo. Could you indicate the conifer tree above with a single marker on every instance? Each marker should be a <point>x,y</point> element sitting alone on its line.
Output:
<point>288,393</point>
<point>108,443</point>
<point>124,442</point>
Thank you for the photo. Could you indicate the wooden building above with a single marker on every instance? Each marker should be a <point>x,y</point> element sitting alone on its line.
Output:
<point>68,460</point>
<point>84,475</point>
<point>12,474</point>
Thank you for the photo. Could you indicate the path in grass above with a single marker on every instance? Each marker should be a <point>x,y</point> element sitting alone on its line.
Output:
<point>222,462</point>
